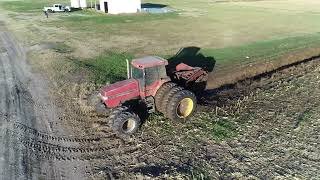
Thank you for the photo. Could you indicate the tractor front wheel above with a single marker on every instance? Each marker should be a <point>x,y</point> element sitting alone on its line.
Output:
<point>124,123</point>
<point>182,105</point>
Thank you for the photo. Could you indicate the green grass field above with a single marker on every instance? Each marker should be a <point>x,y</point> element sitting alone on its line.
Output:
<point>234,33</point>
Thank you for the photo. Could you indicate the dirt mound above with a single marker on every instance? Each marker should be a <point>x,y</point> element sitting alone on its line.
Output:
<point>223,76</point>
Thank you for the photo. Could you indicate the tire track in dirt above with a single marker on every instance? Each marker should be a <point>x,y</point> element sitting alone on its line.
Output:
<point>19,89</point>
<point>11,153</point>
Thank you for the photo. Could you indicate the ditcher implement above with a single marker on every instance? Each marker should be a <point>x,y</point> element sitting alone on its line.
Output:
<point>152,86</point>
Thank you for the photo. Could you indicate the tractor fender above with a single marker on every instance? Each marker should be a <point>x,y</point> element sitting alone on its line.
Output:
<point>153,89</point>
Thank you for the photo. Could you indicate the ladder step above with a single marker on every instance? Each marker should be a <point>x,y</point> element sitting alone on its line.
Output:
<point>150,105</point>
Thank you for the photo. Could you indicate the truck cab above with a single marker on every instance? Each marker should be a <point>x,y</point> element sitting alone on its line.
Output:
<point>57,8</point>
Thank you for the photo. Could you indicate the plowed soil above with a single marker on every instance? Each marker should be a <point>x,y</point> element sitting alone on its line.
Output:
<point>274,117</point>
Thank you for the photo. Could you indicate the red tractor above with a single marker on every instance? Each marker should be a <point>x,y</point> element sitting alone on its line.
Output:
<point>156,86</point>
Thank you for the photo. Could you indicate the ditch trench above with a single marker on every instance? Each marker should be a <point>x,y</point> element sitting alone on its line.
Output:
<point>228,94</point>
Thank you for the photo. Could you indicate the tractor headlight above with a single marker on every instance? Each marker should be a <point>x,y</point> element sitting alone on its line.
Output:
<point>104,98</point>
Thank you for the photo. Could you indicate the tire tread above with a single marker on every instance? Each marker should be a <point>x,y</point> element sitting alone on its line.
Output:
<point>159,97</point>
<point>167,98</point>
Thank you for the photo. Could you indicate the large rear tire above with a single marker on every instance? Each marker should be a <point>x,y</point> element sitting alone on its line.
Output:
<point>123,122</point>
<point>167,97</point>
<point>164,89</point>
<point>181,106</point>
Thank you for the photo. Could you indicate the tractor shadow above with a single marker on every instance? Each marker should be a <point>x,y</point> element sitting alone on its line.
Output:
<point>193,57</point>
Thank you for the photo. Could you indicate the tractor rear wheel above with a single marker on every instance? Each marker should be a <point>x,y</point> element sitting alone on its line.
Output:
<point>167,97</point>
<point>164,89</point>
<point>182,105</point>
<point>124,122</point>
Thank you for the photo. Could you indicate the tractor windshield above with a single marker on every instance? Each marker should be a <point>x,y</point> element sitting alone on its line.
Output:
<point>137,73</point>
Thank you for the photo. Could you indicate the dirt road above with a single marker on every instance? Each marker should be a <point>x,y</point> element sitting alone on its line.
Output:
<point>27,121</point>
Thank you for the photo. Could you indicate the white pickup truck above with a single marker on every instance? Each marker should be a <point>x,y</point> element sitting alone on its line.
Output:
<point>57,8</point>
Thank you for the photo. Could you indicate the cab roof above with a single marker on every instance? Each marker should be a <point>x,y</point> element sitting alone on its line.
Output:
<point>149,61</point>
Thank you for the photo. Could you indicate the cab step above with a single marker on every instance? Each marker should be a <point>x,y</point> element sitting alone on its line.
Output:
<point>150,103</point>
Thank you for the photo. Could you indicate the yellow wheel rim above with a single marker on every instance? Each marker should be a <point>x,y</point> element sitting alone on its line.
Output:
<point>129,125</point>
<point>185,107</point>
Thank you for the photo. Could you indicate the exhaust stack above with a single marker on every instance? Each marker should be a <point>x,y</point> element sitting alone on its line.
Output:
<point>128,69</point>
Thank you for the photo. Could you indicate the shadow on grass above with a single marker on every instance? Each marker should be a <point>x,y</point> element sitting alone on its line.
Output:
<point>76,9</point>
<point>152,5</point>
<point>192,56</point>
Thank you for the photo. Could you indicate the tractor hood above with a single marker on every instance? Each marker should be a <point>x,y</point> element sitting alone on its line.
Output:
<point>119,88</point>
<point>119,92</point>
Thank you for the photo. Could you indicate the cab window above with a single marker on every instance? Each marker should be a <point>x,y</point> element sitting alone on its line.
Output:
<point>137,73</point>
<point>152,75</point>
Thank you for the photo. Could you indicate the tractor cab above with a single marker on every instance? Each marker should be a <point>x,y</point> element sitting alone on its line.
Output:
<point>150,72</point>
